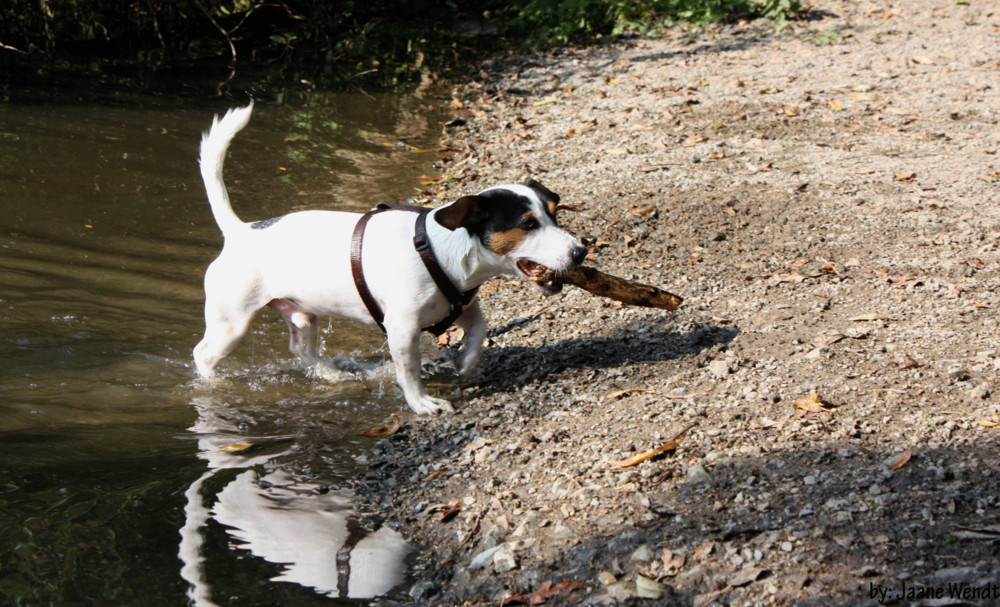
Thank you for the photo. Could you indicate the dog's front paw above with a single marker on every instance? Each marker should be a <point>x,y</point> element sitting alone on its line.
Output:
<point>428,405</point>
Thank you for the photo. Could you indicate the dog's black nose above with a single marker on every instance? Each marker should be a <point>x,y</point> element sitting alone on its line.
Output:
<point>578,253</point>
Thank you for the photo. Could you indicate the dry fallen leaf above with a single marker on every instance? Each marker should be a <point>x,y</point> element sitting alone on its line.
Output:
<point>869,317</point>
<point>828,338</point>
<point>901,460</point>
<point>795,277</point>
<point>670,565</point>
<point>702,551</point>
<point>904,176</point>
<point>811,404</point>
<point>546,591</point>
<point>641,457</point>
<point>922,60</point>
<point>625,392</point>
<point>989,423</point>
<point>383,431</point>
<point>446,512</point>
<point>707,598</point>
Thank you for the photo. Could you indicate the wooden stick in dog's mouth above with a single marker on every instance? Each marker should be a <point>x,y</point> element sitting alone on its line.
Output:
<point>599,283</point>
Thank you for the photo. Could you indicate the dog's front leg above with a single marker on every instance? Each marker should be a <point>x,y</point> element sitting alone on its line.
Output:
<point>472,322</point>
<point>404,346</point>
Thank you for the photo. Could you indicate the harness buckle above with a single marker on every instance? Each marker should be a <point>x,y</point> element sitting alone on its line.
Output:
<point>420,242</point>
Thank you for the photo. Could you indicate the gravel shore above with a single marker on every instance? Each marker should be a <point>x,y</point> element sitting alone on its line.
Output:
<point>826,201</point>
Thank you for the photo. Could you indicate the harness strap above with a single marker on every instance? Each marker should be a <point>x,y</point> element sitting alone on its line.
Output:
<point>421,243</point>
<point>359,276</point>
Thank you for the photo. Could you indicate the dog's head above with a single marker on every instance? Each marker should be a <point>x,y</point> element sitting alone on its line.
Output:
<point>518,223</point>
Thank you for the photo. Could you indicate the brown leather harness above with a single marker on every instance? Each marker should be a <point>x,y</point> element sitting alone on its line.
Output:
<point>456,299</point>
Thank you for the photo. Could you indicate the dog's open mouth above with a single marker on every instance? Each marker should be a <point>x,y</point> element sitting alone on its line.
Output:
<point>542,278</point>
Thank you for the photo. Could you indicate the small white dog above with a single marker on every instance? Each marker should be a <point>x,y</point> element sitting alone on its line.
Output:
<point>301,265</point>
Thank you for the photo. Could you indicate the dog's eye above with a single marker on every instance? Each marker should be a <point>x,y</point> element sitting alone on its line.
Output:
<point>530,223</point>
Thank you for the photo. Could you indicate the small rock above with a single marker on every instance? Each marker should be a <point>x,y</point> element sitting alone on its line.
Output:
<point>562,532</point>
<point>606,578</point>
<point>503,559</point>
<point>980,392</point>
<point>718,369</point>
<point>696,474</point>
<point>421,591</point>
<point>642,554</point>
<point>649,589</point>
<point>484,558</point>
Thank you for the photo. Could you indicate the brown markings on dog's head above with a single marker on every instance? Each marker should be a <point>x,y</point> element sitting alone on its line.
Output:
<point>550,198</point>
<point>501,218</point>
<point>501,243</point>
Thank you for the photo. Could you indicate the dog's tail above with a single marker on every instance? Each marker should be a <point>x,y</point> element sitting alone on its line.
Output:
<point>214,144</point>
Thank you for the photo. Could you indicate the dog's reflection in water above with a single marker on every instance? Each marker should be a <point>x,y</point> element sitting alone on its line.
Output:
<point>283,519</point>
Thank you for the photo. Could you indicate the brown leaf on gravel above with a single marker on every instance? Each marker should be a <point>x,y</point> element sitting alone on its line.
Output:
<point>794,277</point>
<point>702,551</point>
<point>445,512</point>
<point>828,338</point>
<point>901,460</point>
<point>436,474</point>
<point>670,565</point>
<point>989,423</point>
<point>905,362</point>
<point>707,598</point>
<point>625,392</point>
<point>451,337</point>
<point>695,139</point>
<point>904,176</point>
<point>383,431</point>
<point>546,591</point>
<point>646,167</point>
<point>811,404</point>
<point>645,211</point>
<point>972,262</point>
<point>641,457</point>
<point>869,316</point>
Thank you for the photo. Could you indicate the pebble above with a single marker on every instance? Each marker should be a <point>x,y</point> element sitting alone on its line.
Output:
<point>718,369</point>
<point>504,559</point>
<point>642,554</point>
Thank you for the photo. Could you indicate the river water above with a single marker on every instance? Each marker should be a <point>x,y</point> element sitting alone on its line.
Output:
<point>123,479</point>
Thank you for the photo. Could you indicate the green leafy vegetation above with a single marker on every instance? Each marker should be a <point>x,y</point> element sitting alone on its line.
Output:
<point>376,41</point>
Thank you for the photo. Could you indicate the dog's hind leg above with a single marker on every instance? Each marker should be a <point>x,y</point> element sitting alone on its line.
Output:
<point>303,330</point>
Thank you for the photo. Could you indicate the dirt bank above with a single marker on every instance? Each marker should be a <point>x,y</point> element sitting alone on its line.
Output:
<point>826,199</point>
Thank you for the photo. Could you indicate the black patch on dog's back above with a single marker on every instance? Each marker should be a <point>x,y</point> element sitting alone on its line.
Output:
<point>265,223</point>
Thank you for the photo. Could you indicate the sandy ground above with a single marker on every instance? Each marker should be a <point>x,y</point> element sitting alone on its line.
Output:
<point>826,201</point>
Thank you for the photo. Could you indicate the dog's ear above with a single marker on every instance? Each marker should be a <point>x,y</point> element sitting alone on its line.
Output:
<point>466,212</point>
<point>551,198</point>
